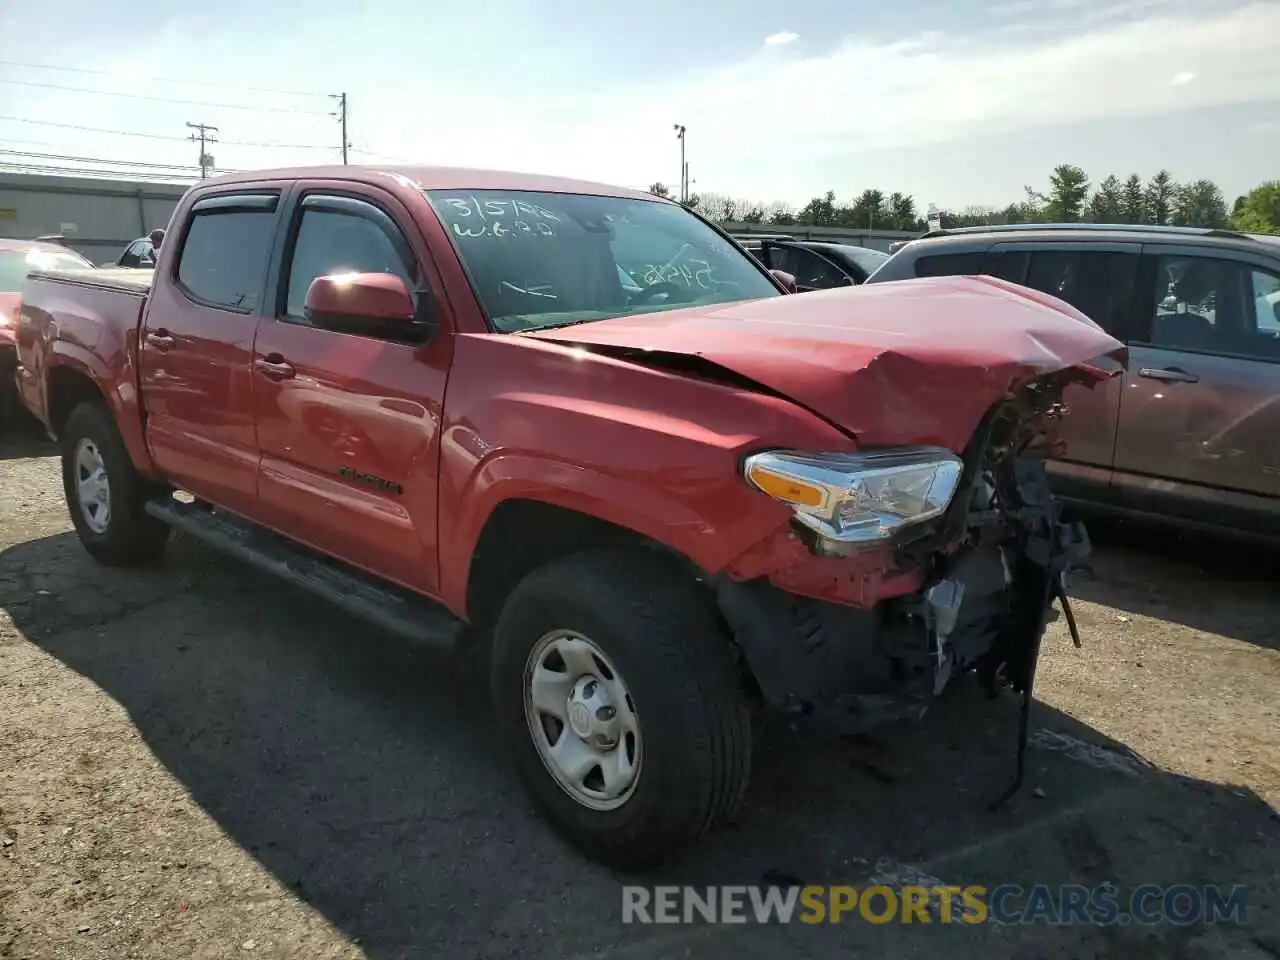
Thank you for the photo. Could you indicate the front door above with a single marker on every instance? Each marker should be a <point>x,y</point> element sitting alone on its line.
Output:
<point>811,270</point>
<point>196,350</point>
<point>1098,279</point>
<point>348,425</point>
<point>1199,427</point>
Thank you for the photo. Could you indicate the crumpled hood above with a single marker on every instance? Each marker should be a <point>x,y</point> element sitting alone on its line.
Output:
<point>8,317</point>
<point>915,361</point>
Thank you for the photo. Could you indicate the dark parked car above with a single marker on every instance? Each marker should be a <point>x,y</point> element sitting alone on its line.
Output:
<point>1192,431</point>
<point>142,252</point>
<point>816,264</point>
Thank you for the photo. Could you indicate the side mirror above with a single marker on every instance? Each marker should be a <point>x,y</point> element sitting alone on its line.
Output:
<point>787,280</point>
<point>372,304</point>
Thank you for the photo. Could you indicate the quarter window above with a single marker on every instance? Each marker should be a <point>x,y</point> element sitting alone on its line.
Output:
<point>224,257</point>
<point>1266,302</point>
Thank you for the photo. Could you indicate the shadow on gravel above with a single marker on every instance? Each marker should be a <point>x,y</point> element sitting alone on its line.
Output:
<point>1208,583</point>
<point>364,774</point>
<point>24,438</point>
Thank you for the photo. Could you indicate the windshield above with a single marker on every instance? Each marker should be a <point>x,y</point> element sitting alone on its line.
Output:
<point>541,260</point>
<point>16,264</point>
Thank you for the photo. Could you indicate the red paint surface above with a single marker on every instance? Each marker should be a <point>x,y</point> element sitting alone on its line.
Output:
<point>475,419</point>
<point>917,361</point>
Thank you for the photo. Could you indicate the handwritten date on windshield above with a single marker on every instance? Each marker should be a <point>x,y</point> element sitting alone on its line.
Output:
<point>500,218</point>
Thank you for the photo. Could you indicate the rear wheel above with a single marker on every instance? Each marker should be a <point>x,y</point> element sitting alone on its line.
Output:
<point>10,408</point>
<point>105,494</point>
<point>620,698</point>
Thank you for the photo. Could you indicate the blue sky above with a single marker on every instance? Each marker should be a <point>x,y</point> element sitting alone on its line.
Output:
<point>958,103</point>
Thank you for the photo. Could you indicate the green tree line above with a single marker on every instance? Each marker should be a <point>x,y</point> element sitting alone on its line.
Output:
<point>1070,197</point>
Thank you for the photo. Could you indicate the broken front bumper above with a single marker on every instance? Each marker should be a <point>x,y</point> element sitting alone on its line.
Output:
<point>979,604</point>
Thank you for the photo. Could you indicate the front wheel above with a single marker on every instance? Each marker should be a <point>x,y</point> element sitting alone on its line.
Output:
<point>105,494</point>
<point>620,697</point>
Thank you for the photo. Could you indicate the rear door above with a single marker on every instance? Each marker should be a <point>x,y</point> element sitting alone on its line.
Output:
<point>348,424</point>
<point>1199,432</point>
<point>196,354</point>
<point>1099,279</point>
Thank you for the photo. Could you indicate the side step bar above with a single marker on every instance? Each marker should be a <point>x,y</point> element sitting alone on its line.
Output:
<point>390,607</point>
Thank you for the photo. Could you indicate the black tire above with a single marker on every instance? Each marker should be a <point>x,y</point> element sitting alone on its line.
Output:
<point>131,535</point>
<point>10,407</point>
<point>680,669</point>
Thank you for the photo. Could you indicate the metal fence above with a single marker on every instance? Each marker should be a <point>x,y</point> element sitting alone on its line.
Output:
<point>95,217</point>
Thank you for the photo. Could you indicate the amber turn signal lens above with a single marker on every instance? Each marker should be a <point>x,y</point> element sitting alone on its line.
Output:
<point>787,489</point>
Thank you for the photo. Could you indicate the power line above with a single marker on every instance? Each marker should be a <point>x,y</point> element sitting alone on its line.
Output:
<point>162,136</point>
<point>98,173</point>
<point>386,157</point>
<point>144,96</point>
<point>116,163</point>
<point>189,83</point>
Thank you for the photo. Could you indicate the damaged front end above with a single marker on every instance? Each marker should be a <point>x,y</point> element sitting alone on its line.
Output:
<point>850,635</point>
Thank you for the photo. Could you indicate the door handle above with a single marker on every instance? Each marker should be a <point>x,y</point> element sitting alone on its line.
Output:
<point>1168,375</point>
<point>161,339</point>
<point>274,369</point>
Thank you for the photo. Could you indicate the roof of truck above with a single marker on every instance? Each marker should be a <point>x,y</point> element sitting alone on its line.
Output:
<point>437,178</point>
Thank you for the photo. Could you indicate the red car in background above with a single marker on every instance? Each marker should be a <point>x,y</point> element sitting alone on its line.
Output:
<point>17,259</point>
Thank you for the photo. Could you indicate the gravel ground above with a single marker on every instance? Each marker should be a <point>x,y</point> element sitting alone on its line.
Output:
<point>198,763</point>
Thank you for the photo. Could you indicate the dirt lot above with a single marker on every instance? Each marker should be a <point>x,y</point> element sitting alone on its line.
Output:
<point>198,763</point>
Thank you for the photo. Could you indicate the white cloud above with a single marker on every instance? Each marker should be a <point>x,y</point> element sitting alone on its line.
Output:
<point>1182,79</point>
<point>814,125</point>
<point>767,139</point>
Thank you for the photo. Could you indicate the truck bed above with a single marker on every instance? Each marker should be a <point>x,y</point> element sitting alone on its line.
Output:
<point>121,279</point>
<point>81,320</point>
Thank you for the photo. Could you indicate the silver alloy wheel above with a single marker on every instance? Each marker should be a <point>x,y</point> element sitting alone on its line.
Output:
<point>93,489</point>
<point>582,720</point>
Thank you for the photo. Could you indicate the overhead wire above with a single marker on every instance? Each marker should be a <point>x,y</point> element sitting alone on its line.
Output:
<point>156,99</point>
<point>163,136</point>
<point>190,83</point>
<point>115,163</point>
<point>97,172</point>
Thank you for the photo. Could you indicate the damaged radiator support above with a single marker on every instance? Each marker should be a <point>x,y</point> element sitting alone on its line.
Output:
<point>1051,552</point>
<point>996,564</point>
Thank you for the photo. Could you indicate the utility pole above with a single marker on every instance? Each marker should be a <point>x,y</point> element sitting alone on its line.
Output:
<point>342,122</point>
<point>204,135</point>
<point>684,167</point>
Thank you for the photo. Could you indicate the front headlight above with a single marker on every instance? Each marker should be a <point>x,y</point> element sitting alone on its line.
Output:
<point>859,498</point>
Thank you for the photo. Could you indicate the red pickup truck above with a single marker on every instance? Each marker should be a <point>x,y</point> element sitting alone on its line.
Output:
<point>582,425</point>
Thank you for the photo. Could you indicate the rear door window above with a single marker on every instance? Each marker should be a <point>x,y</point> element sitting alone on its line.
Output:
<point>952,264</point>
<point>224,257</point>
<point>1097,283</point>
<point>1216,306</point>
